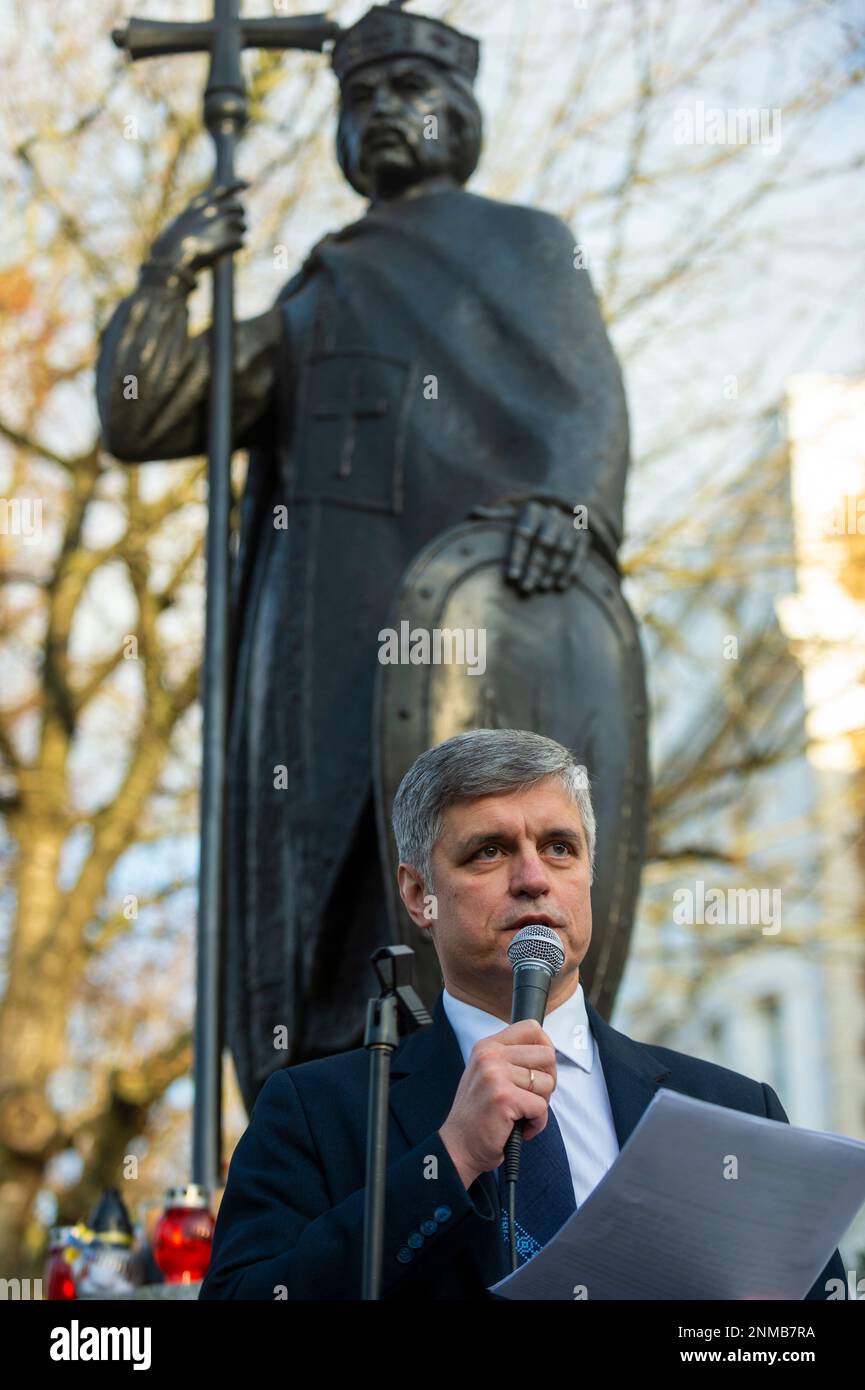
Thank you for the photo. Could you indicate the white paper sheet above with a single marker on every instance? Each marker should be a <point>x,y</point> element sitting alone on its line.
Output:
<point>666,1223</point>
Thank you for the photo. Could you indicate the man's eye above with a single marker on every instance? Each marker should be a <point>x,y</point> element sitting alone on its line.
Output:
<point>561,844</point>
<point>483,850</point>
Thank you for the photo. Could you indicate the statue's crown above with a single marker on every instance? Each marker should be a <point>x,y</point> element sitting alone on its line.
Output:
<point>386,31</point>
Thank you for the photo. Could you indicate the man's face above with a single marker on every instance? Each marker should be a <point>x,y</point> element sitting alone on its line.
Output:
<point>395,124</point>
<point>500,863</point>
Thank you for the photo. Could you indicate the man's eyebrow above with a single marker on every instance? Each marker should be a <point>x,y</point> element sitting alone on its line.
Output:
<point>486,837</point>
<point>374,75</point>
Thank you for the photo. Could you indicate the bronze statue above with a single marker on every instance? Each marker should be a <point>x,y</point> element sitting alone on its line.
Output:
<point>438,434</point>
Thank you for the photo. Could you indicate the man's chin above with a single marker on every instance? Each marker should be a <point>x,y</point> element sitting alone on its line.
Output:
<point>384,157</point>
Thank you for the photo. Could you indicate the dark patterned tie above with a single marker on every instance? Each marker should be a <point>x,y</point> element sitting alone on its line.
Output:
<point>545,1191</point>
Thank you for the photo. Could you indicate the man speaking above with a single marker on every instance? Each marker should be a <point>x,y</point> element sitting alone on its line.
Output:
<point>495,831</point>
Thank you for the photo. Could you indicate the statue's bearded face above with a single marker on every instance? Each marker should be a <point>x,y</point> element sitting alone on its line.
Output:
<point>396,126</point>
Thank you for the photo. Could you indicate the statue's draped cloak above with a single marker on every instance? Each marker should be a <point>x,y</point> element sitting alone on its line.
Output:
<point>471,346</point>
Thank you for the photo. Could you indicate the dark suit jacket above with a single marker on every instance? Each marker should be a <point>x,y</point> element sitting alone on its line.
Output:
<point>291,1220</point>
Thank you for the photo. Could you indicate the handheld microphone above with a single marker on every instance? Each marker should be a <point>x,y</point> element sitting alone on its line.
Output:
<point>536,955</point>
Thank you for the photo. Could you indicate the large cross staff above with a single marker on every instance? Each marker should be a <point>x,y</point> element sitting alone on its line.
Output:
<point>224,37</point>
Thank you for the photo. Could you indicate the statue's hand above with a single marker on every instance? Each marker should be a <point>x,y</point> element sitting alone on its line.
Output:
<point>210,226</point>
<point>546,550</point>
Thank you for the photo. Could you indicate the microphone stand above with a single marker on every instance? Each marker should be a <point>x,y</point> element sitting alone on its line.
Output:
<point>397,1004</point>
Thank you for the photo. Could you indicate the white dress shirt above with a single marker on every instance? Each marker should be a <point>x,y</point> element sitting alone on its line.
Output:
<point>580,1101</point>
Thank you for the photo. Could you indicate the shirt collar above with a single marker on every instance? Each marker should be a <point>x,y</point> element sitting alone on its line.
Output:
<point>568,1026</point>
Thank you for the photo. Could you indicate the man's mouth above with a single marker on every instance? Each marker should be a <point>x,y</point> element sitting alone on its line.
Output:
<point>542,920</point>
<point>384,135</point>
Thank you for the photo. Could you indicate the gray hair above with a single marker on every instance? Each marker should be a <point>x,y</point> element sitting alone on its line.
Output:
<point>482,762</point>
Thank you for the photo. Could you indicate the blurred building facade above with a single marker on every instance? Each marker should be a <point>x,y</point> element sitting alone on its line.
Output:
<point>787,1006</point>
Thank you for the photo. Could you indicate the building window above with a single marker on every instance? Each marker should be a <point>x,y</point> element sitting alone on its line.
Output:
<point>769,1012</point>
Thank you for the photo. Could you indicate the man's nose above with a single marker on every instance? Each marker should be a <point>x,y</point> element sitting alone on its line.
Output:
<point>384,101</point>
<point>529,874</point>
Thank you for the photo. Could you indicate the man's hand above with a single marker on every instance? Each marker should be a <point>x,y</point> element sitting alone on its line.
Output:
<point>211,226</point>
<point>494,1093</point>
<point>546,549</point>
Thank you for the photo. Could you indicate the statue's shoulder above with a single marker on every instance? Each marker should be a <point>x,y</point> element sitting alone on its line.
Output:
<point>310,263</point>
<point>519,212</point>
<point>521,218</point>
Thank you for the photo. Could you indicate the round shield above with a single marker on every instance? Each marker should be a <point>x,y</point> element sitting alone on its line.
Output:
<point>470,651</point>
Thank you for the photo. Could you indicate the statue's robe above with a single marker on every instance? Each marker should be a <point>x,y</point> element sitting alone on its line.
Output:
<point>443,352</point>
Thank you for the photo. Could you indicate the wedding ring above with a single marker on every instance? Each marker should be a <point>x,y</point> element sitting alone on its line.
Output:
<point>531,1080</point>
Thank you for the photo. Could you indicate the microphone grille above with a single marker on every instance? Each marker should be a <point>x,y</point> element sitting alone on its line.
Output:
<point>537,944</point>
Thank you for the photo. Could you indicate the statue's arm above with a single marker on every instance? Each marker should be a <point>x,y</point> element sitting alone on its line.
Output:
<point>152,377</point>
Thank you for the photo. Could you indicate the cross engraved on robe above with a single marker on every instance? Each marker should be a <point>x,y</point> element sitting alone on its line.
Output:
<point>355,408</point>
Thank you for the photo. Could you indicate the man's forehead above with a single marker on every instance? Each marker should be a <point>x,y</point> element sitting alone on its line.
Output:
<point>391,67</point>
<point>506,808</point>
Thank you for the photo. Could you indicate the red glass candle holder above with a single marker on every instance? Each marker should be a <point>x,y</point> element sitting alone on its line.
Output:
<point>183,1239</point>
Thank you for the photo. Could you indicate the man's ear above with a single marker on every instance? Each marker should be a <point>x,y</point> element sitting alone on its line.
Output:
<point>413,892</point>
